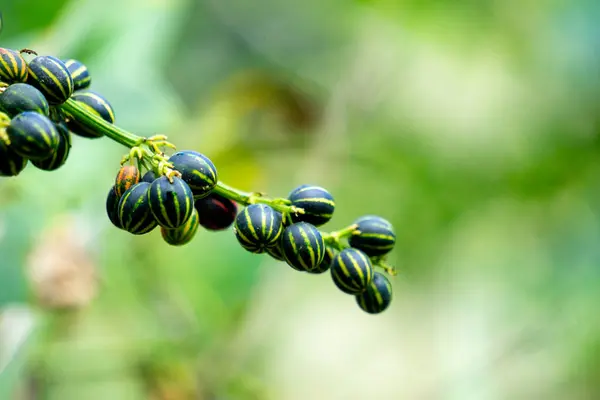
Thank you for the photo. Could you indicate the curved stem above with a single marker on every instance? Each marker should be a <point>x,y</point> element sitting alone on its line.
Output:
<point>82,115</point>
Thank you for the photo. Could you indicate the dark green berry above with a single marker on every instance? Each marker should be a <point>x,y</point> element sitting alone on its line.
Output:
<point>197,170</point>
<point>303,246</point>
<point>182,235</point>
<point>20,97</point>
<point>258,227</point>
<point>11,164</point>
<point>96,104</point>
<point>276,251</point>
<point>112,207</point>
<point>171,203</point>
<point>317,203</point>
<point>149,177</point>
<point>134,210</point>
<point>378,295</point>
<point>51,76</point>
<point>59,157</point>
<point>33,135</point>
<point>79,73</point>
<point>326,263</point>
<point>216,212</point>
<point>351,271</point>
<point>376,236</point>
<point>13,67</point>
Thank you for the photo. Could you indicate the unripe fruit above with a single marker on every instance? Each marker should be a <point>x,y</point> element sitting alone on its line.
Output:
<point>112,207</point>
<point>20,97</point>
<point>182,235</point>
<point>59,157</point>
<point>79,73</point>
<point>149,177</point>
<point>171,203</point>
<point>11,164</point>
<point>317,203</point>
<point>376,236</point>
<point>351,271</point>
<point>134,210</point>
<point>378,295</point>
<point>303,246</point>
<point>216,212</point>
<point>197,170</point>
<point>51,76</point>
<point>326,263</point>
<point>258,227</point>
<point>13,67</point>
<point>33,135</point>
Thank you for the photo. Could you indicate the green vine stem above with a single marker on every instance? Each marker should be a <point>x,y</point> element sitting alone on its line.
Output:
<point>147,152</point>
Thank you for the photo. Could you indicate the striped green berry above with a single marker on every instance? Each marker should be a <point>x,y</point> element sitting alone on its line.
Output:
<point>317,203</point>
<point>96,104</point>
<point>303,246</point>
<point>112,207</point>
<point>134,212</point>
<point>11,164</point>
<point>216,212</point>
<point>13,67</point>
<point>59,157</point>
<point>276,251</point>
<point>182,235</point>
<point>378,295</point>
<point>171,203</point>
<point>33,135</point>
<point>79,73</point>
<point>197,170</point>
<point>51,76</point>
<point>376,236</point>
<point>326,263</point>
<point>351,271</point>
<point>258,227</point>
<point>20,97</point>
<point>127,176</point>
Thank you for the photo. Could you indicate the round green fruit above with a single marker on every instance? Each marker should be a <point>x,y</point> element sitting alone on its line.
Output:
<point>20,97</point>
<point>171,203</point>
<point>326,263</point>
<point>11,164</point>
<point>149,177</point>
<point>303,246</point>
<point>258,227</point>
<point>351,271</point>
<point>378,295</point>
<point>79,73</point>
<point>182,235</point>
<point>197,170</point>
<point>376,236</point>
<point>59,157</point>
<point>33,135</point>
<point>317,203</point>
<point>112,207</point>
<point>13,67</point>
<point>135,215</point>
<point>51,76</point>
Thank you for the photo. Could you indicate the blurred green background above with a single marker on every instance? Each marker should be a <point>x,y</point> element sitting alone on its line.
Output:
<point>473,126</point>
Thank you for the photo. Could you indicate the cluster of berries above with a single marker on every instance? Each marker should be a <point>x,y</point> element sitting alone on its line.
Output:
<point>295,239</point>
<point>182,192</point>
<point>33,127</point>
